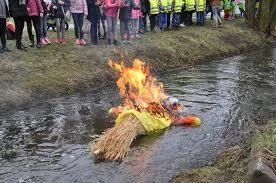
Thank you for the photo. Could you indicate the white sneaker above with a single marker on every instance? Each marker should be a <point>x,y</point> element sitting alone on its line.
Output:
<point>182,25</point>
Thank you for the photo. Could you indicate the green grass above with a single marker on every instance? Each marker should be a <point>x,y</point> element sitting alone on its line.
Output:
<point>59,70</point>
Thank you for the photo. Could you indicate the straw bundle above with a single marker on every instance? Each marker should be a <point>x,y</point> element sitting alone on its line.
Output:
<point>115,142</point>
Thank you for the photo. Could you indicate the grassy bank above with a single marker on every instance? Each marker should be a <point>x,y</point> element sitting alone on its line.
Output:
<point>231,165</point>
<point>59,70</point>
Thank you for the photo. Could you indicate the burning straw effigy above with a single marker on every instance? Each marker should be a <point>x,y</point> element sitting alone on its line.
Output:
<point>142,112</point>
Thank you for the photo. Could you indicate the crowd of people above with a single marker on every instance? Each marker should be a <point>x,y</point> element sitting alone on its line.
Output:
<point>132,14</point>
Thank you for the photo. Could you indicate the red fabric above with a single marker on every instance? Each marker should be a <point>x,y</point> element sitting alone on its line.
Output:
<point>10,26</point>
<point>34,7</point>
<point>215,2</point>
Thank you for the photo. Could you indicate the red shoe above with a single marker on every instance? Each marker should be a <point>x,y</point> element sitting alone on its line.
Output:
<point>78,42</point>
<point>58,41</point>
<point>82,42</point>
<point>64,41</point>
<point>47,40</point>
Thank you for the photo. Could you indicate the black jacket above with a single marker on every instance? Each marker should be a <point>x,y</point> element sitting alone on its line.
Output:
<point>145,6</point>
<point>93,9</point>
<point>17,10</point>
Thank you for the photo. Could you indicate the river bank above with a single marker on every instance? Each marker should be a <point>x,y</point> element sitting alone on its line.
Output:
<point>62,70</point>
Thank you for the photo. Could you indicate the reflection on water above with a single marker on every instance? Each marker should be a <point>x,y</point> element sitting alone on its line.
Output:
<point>48,141</point>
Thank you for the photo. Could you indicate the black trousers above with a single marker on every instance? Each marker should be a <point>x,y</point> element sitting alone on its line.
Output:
<point>3,31</point>
<point>36,23</point>
<point>19,26</point>
<point>152,21</point>
<point>188,18</point>
<point>29,28</point>
<point>168,20</point>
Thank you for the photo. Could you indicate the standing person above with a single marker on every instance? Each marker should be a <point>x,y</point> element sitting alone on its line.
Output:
<point>183,15</point>
<point>102,20</point>
<point>18,10</point>
<point>226,7</point>
<point>154,11</point>
<point>200,11</point>
<point>190,8</point>
<point>145,9</point>
<point>125,18</point>
<point>4,14</point>
<point>169,14</point>
<point>44,40</point>
<point>35,11</point>
<point>136,13</point>
<point>93,17</point>
<point>176,9</point>
<point>163,10</point>
<point>111,13</point>
<point>242,8</point>
<point>215,9</point>
<point>60,7</point>
<point>79,10</point>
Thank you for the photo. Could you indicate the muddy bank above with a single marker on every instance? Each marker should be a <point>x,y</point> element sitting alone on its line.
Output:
<point>60,70</point>
<point>237,164</point>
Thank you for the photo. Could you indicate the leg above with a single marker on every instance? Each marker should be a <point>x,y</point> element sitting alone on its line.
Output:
<point>62,24</point>
<point>42,35</point>
<point>81,16</point>
<point>168,20</point>
<point>122,29</point>
<point>161,21</point>
<point>3,32</point>
<point>93,30</point>
<point>76,25</point>
<point>109,27</point>
<point>36,23</point>
<point>29,28</point>
<point>58,21</point>
<point>114,24</point>
<point>103,24</point>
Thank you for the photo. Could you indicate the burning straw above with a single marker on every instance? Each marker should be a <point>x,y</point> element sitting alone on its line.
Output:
<point>139,91</point>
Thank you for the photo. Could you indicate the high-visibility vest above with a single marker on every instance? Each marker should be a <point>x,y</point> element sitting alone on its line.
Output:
<point>170,4</point>
<point>200,5</point>
<point>190,5</point>
<point>154,7</point>
<point>163,6</point>
<point>178,6</point>
<point>226,4</point>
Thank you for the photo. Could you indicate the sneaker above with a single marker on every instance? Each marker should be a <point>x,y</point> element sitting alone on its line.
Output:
<point>132,37</point>
<point>109,41</point>
<point>47,40</point>
<point>38,45</point>
<point>138,37</point>
<point>83,42</point>
<point>22,48</point>
<point>43,42</point>
<point>77,42</point>
<point>63,41</point>
<point>58,41</point>
<point>5,49</point>
<point>181,25</point>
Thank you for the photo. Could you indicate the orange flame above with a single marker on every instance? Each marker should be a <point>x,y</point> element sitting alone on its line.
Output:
<point>138,87</point>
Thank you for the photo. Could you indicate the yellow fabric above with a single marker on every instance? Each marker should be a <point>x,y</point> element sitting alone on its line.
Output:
<point>200,5</point>
<point>190,5</point>
<point>150,122</point>
<point>178,6</point>
<point>154,7</point>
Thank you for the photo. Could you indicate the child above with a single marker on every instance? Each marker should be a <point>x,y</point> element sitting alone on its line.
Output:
<point>176,9</point>
<point>35,11</point>
<point>102,20</point>
<point>43,25</point>
<point>200,9</point>
<point>154,11</point>
<point>125,18</point>
<point>136,13</point>
<point>216,4</point>
<point>163,10</point>
<point>79,12</point>
<point>60,7</point>
<point>111,13</point>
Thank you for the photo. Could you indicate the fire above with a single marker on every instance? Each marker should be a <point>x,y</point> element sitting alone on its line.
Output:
<point>138,87</point>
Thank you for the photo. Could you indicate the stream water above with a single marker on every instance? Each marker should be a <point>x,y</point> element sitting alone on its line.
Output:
<point>48,141</point>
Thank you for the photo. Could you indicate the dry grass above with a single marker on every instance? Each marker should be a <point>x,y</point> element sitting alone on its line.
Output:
<point>115,142</point>
<point>60,70</point>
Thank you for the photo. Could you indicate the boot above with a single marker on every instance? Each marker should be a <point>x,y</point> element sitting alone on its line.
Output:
<point>38,45</point>
<point>109,41</point>
<point>31,41</point>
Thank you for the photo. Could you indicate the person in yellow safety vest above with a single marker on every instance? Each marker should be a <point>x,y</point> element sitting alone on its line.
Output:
<point>226,7</point>
<point>169,14</point>
<point>176,9</point>
<point>182,14</point>
<point>163,10</point>
<point>190,8</point>
<point>200,11</point>
<point>154,11</point>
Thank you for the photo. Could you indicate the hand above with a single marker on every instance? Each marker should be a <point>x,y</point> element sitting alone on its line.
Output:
<point>41,14</point>
<point>55,7</point>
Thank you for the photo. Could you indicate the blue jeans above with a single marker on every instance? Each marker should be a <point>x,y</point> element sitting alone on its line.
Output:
<point>93,29</point>
<point>43,26</point>
<point>162,21</point>
<point>200,17</point>
<point>78,23</point>
<point>176,19</point>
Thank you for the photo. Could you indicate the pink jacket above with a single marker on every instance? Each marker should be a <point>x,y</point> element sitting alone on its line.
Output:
<point>111,8</point>
<point>136,13</point>
<point>34,7</point>
<point>78,6</point>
